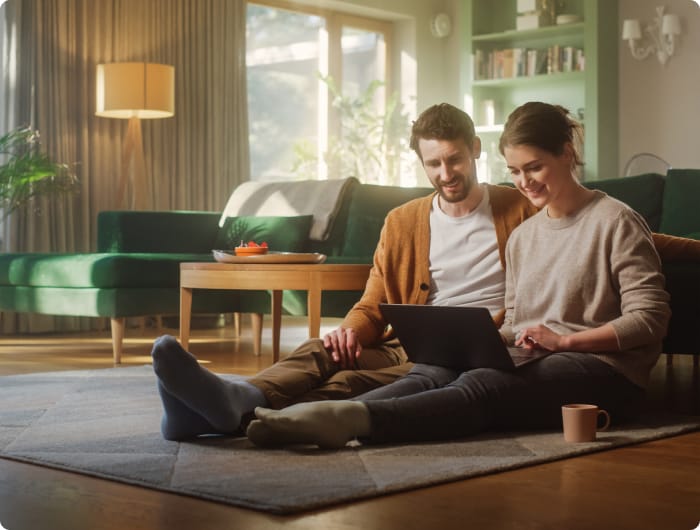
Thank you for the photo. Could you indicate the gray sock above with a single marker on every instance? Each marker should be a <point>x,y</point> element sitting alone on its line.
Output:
<point>180,422</point>
<point>221,403</point>
<point>328,424</point>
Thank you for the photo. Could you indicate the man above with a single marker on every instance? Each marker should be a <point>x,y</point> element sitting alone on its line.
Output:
<point>446,248</point>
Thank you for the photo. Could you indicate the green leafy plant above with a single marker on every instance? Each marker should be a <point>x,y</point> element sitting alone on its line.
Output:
<point>371,146</point>
<point>26,172</point>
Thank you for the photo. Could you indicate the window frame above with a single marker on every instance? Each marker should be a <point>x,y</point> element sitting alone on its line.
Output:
<point>333,67</point>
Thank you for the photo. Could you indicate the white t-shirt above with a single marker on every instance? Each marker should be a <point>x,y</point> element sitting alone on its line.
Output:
<point>465,268</point>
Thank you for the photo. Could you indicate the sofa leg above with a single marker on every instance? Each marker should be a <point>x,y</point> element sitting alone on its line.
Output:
<point>257,319</point>
<point>118,325</point>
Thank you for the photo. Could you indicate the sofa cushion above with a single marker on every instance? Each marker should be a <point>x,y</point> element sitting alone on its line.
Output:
<point>126,301</point>
<point>165,231</point>
<point>369,206</point>
<point>101,270</point>
<point>681,215</point>
<point>642,193</point>
<point>285,234</point>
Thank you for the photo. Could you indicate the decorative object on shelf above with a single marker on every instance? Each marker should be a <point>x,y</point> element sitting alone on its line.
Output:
<point>135,91</point>
<point>567,19</point>
<point>26,172</point>
<point>440,25</point>
<point>662,32</point>
<point>527,6</point>
<point>527,21</point>
<point>550,9</point>
<point>530,15</point>
<point>489,113</point>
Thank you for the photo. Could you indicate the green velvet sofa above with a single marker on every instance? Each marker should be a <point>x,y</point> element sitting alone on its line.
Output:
<point>135,269</point>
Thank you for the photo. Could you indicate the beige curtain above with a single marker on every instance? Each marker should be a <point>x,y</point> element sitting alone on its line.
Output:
<point>50,51</point>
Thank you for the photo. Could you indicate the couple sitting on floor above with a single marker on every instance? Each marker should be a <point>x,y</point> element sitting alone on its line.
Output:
<point>561,268</point>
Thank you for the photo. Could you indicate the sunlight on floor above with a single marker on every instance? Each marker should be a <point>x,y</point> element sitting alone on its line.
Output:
<point>216,347</point>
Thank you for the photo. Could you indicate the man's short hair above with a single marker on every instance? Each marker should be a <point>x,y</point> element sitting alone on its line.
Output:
<point>442,122</point>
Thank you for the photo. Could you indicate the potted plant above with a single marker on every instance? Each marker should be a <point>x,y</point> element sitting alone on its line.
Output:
<point>26,172</point>
<point>372,147</point>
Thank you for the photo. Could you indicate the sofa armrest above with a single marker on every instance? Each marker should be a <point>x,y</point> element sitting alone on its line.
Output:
<point>684,288</point>
<point>681,216</point>
<point>164,231</point>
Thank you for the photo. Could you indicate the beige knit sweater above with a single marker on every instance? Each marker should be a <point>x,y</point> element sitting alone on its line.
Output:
<point>582,271</point>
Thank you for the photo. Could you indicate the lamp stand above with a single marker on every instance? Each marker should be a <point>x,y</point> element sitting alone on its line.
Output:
<point>133,170</point>
<point>134,91</point>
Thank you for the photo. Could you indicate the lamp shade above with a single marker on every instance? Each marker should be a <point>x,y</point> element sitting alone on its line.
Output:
<point>670,25</point>
<point>135,90</point>
<point>631,30</point>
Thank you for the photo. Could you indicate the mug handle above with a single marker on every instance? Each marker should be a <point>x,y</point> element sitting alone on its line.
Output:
<point>607,420</point>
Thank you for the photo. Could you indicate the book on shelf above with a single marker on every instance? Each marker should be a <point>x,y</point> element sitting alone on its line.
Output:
<point>523,62</point>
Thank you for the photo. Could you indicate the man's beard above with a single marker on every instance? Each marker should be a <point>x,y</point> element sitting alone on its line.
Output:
<point>467,186</point>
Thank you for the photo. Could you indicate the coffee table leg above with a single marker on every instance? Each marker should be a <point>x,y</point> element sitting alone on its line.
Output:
<point>185,315</point>
<point>313,302</point>
<point>276,324</point>
<point>256,320</point>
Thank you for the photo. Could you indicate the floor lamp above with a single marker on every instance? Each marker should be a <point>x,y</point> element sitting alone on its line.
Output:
<point>135,91</point>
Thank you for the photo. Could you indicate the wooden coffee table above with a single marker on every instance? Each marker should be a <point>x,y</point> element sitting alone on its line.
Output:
<point>277,277</point>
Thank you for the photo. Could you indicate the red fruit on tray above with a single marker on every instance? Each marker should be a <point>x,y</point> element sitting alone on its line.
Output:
<point>251,248</point>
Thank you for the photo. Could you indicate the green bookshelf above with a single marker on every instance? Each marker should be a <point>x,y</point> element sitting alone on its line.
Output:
<point>574,65</point>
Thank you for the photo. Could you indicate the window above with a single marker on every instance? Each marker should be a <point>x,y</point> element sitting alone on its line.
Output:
<point>297,63</point>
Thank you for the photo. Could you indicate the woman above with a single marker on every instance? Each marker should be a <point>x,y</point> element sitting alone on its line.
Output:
<point>583,281</point>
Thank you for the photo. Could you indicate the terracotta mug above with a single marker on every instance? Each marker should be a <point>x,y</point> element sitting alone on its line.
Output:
<point>581,422</point>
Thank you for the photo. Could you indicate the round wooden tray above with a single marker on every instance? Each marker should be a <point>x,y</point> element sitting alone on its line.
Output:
<point>228,256</point>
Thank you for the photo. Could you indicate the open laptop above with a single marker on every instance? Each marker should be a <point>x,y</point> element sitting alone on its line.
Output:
<point>461,338</point>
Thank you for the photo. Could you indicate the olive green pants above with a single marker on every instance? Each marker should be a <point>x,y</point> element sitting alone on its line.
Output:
<point>310,374</point>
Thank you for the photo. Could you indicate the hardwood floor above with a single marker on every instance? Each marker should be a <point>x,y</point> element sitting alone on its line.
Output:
<point>648,486</point>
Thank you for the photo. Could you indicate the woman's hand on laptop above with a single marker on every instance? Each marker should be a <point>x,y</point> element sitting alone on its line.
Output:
<point>343,346</point>
<point>538,337</point>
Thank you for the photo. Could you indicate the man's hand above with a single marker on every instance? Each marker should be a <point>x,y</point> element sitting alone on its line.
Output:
<point>343,345</point>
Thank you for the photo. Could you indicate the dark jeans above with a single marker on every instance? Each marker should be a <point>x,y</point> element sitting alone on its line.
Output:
<point>434,403</point>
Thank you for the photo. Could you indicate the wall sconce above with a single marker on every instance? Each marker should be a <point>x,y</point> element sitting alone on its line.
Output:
<point>135,91</point>
<point>662,32</point>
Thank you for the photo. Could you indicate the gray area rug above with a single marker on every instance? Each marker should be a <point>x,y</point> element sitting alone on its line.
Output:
<point>105,423</point>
